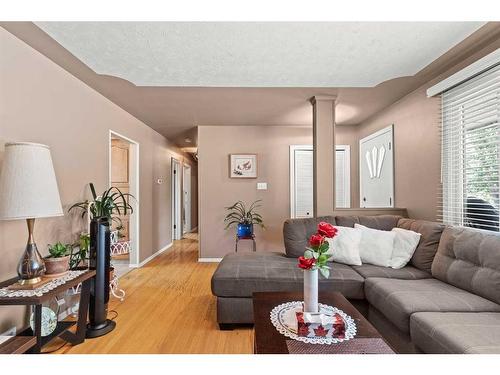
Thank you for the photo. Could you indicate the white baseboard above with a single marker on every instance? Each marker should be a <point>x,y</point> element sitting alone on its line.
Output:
<point>150,258</point>
<point>209,260</point>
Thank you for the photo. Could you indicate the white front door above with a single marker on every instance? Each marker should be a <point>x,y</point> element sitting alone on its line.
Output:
<point>376,169</point>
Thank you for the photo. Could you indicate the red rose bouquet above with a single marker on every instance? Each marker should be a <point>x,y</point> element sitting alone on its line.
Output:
<point>315,256</point>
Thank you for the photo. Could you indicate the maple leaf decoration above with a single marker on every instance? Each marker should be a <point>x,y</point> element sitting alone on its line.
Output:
<point>320,331</point>
<point>303,330</point>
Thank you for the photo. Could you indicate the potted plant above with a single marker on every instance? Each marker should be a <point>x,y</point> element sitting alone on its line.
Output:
<point>57,263</point>
<point>111,202</point>
<point>103,208</point>
<point>244,218</point>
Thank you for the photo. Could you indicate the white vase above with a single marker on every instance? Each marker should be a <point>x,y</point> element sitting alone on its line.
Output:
<point>311,291</point>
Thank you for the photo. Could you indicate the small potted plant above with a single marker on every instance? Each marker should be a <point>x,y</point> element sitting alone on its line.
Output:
<point>57,263</point>
<point>79,252</point>
<point>243,218</point>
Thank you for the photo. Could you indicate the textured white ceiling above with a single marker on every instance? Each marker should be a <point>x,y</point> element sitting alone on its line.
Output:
<point>208,54</point>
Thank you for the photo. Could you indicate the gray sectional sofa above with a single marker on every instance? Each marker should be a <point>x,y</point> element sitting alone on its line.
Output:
<point>446,300</point>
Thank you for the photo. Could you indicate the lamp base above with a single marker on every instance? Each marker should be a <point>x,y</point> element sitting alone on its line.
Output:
<point>31,266</point>
<point>32,281</point>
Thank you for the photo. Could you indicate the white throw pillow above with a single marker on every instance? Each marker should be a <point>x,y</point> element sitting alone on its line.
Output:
<point>405,244</point>
<point>344,247</point>
<point>376,246</point>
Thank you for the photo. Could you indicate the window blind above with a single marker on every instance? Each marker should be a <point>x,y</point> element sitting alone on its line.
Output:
<point>470,160</point>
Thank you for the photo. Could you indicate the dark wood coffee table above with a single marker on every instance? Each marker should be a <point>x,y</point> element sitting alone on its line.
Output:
<point>267,340</point>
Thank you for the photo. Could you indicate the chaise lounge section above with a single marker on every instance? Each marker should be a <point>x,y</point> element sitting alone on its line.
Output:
<point>452,281</point>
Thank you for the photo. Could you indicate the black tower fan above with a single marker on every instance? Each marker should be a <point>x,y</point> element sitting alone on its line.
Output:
<point>100,256</point>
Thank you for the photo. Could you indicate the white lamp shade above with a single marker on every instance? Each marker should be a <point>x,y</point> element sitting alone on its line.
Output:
<point>28,186</point>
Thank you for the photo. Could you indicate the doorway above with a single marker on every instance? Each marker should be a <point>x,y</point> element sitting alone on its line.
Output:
<point>186,190</point>
<point>124,175</point>
<point>176,200</point>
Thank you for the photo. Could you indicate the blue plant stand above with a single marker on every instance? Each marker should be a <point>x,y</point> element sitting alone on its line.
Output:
<point>251,237</point>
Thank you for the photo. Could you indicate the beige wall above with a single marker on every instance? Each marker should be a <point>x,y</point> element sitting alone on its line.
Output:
<point>417,150</point>
<point>217,190</point>
<point>41,102</point>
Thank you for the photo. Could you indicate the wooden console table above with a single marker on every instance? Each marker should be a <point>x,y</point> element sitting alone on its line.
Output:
<point>17,345</point>
<point>63,328</point>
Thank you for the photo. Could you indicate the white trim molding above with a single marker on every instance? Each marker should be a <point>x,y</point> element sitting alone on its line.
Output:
<point>209,260</point>
<point>466,73</point>
<point>151,257</point>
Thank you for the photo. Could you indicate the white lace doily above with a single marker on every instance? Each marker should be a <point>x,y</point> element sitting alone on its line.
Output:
<point>5,292</point>
<point>284,319</point>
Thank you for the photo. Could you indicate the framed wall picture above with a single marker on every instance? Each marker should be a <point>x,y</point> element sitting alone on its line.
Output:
<point>243,165</point>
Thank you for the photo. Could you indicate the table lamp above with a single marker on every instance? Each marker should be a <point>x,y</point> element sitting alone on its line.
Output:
<point>28,190</point>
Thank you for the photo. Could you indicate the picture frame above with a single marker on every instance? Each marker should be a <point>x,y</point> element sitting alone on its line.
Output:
<point>242,165</point>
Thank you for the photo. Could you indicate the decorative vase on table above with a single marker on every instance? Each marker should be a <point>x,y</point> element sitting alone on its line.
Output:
<point>311,291</point>
<point>315,260</point>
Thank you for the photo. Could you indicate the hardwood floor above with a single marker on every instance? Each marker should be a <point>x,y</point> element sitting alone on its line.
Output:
<point>168,309</point>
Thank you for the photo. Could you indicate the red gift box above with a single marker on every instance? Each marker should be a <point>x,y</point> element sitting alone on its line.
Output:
<point>335,330</point>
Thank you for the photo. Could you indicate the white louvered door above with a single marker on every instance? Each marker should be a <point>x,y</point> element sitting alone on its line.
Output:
<point>303,183</point>
<point>342,177</point>
<point>301,176</point>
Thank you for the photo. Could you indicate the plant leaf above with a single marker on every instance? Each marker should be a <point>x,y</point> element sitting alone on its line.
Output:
<point>325,272</point>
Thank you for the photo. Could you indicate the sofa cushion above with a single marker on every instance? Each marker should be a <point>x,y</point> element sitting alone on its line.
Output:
<point>469,259</point>
<point>376,246</point>
<point>398,299</point>
<point>344,247</point>
<point>444,333</point>
<point>240,275</point>
<point>381,222</point>
<point>427,247</point>
<point>296,233</point>
<point>405,244</point>
<point>405,273</point>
